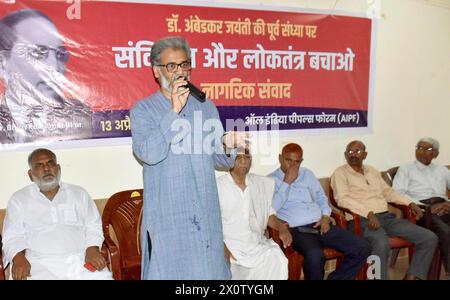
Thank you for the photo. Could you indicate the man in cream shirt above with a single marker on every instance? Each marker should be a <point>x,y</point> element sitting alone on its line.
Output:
<point>361,189</point>
<point>52,229</point>
<point>246,209</point>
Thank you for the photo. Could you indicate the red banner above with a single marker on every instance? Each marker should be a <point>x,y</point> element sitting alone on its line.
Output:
<point>290,69</point>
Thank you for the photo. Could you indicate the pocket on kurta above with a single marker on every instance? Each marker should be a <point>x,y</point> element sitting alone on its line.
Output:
<point>68,213</point>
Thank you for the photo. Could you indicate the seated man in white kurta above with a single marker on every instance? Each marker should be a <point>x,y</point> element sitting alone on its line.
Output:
<point>246,208</point>
<point>52,229</point>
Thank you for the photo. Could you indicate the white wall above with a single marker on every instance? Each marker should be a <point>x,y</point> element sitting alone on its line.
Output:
<point>412,99</point>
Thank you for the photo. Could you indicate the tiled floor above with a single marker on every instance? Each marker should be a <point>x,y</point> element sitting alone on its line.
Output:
<point>398,272</point>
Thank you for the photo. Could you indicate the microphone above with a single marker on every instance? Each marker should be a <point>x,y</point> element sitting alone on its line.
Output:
<point>196,92</point>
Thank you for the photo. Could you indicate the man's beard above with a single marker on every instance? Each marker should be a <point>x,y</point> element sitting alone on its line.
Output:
<point>168,85</point>
<point>47,185</point>
<point>165,83</point>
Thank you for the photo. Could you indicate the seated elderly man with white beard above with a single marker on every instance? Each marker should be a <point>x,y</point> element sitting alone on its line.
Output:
<point>52,230</point>
<point>246,209</point>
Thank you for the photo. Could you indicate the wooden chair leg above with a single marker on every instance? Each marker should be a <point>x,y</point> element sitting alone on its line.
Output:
<point>410,253</point>
<point>435,267</point>
<point>394,256</point>
<point>295,266</point>
<point>338,262</point>
<point>362,274</point>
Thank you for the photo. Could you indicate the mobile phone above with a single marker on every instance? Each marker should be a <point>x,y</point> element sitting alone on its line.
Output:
<point>308,230</point>
<point>433,200</point>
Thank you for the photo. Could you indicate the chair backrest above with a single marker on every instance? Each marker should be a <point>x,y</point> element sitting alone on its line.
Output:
<point>325,183</point>
<point>389,175</point>
<point>123,214</point>
<point>331,195</point>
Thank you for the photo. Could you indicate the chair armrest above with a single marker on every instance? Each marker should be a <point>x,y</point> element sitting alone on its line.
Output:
<point>112,255</point>
<point>343,210</point>
<point>357,229</point>
<point>339,218</point>
<point>427,214</point>
<point>275,235</point>
<point>105,253</point>
<point>357,224</point>
<point>406,211</point>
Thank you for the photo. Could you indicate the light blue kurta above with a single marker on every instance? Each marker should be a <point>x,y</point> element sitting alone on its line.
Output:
<point>181,207</point>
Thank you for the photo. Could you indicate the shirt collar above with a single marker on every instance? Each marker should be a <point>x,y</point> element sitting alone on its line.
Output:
<point>35,187</point>
<point>279,174</point>
<point>247,181</point>
<point>421,166</point>
<point>350,169</point>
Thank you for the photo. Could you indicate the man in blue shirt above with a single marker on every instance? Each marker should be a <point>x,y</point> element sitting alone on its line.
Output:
<point>300,200</point>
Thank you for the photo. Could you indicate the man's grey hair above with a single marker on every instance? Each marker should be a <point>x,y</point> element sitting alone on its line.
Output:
<point>8,34</point>
<point>434,143</point>
<point>359,142</point>
<point>171,42</point>
<point>35,152</point>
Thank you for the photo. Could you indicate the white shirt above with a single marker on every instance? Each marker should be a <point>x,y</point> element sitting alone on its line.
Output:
<point>245,215</point>
<point>418,181</point>
<point>66,225</point>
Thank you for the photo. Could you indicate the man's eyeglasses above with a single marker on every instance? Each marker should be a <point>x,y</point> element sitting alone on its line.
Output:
<point>420,148</point>
<point>172,67</point>
<point>41,52</point>
<point>356,151</point>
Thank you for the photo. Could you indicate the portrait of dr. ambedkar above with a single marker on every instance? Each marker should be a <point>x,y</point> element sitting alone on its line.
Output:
<point>33,61</point>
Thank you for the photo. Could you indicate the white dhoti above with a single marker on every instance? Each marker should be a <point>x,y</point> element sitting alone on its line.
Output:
<point>273,265</point>
<point>70,267</point>
<point>245,215</point>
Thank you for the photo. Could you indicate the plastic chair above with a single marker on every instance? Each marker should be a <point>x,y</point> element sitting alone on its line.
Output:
<point>396,242</point>
<point>295,259</point>
<point>436,263</point>
<point>121,220</point>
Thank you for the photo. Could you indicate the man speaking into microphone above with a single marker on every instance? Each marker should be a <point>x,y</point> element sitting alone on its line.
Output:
<point>193,90</point>
<point>181,227</point>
